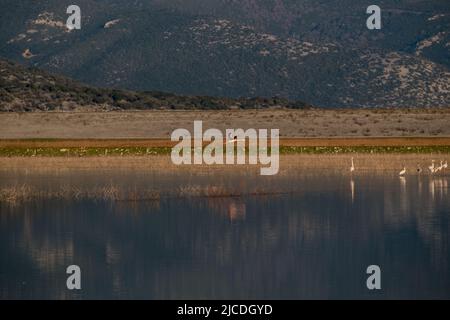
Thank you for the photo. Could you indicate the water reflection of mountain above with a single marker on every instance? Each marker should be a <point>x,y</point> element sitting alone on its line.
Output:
<point>313,241</point>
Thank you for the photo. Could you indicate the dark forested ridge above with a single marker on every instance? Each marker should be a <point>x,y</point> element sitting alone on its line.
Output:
<point>31,89</point>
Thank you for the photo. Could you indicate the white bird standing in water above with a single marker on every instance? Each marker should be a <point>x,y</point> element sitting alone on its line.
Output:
<point>403,172</point>
<point>352,168</point>
<point>432,166</point>
<point>439,168</point>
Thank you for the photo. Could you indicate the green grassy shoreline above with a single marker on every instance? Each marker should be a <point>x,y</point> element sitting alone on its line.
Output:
<point>151,151</point>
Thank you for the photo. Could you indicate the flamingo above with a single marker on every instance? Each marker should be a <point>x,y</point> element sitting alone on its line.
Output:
<point>440,167</point>
<point>352,168</point>
<point>403,172</point>
<point>432,166</point>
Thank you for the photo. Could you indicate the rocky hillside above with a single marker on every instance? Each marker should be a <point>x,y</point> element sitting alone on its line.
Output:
<point>320,52</point>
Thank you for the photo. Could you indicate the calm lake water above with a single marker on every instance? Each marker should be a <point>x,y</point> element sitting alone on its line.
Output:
<point>295,236</point>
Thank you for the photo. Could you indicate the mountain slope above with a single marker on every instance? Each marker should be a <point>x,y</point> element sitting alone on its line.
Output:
<point>30,89</point>
<point>293,49</point>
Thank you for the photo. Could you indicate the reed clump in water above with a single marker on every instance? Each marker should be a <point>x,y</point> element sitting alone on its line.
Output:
<point>221,191</point>
<point>205,191</point>
<point>15,194</point>
<point>24,193</point>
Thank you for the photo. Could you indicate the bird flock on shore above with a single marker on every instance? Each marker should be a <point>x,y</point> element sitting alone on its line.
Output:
<point>433,168</point>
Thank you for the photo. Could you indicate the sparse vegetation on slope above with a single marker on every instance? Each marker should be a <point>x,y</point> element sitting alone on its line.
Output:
<point>319,52</point>
<point>30,89</point>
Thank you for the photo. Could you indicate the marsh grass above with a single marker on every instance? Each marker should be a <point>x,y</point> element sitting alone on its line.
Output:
<point>13,195</point>
<point>152,151</point>
<point>83,152</point>
<point>365,149</point>
<point>24,193</point>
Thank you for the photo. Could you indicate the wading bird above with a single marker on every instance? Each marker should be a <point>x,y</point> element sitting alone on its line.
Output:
<point>403,172</point>
<point>235,139</point>
<point>352,168</point>
<point>437,169</point>
<point>432,166</point>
